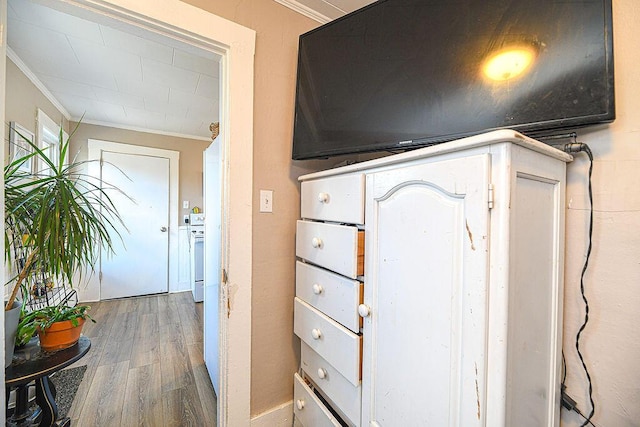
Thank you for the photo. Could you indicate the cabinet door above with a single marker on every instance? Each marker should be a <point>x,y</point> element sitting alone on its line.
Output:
<point>426,278</point>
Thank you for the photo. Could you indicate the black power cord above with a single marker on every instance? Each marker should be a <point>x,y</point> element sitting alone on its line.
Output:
<point>567,402</point>
<point>570,404</point>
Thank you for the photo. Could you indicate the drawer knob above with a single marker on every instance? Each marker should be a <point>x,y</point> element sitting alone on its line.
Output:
<point>317,289</point>
<point>323,197</point>
<point>364,310</point>
<point>322,373</point>
<point>300,404</point>
<point>316,334</point>
<point>316,242</point>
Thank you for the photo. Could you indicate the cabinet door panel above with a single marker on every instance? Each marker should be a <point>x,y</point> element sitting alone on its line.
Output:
<point>426,267</point>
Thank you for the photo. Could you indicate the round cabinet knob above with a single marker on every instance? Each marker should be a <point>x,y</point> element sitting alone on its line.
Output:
<point>300,404</point>
<point>316,242</point>
<point>364,310</point>
<point>316,334</point>
<point>322,373</point>
<point>163,229</point>
<point>317,289</point>
<point>323,197</point>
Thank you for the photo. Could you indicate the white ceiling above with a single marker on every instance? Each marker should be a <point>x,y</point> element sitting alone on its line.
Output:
<point>324,10</point>
<point>122,77</point>
<point>126,77</point>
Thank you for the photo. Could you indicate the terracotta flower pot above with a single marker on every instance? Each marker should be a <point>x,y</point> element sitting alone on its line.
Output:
<point>60,335</point>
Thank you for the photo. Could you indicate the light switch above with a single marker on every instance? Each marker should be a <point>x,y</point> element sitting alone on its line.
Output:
<point>185,204</point>
<point>266,201</point>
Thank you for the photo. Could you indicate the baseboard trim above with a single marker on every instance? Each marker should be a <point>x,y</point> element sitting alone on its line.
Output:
<point>279,416</point>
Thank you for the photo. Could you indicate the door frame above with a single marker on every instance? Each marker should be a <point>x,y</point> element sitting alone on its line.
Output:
<point>95,147</point>
<point>3,62</point>
<point>236,46</point>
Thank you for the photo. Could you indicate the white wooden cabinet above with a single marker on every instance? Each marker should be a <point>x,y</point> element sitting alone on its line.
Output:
<point>463,282</point>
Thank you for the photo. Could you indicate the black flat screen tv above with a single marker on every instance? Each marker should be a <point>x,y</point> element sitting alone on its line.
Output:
<point>402,74</point>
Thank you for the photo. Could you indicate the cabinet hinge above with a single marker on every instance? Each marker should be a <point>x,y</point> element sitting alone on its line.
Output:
<point>224,276</point>
<point>490,199</point>
<point>100,276</point>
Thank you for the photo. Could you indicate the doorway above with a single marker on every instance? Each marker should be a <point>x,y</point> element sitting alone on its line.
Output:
<point>236,46</point>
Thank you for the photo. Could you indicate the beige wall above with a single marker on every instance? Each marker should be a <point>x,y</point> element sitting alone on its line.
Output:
<point>190,178</point>
<point>611,341</point>
<point>23,98</point>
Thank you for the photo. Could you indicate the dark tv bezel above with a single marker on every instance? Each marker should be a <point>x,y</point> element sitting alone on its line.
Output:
<point>532,129</point>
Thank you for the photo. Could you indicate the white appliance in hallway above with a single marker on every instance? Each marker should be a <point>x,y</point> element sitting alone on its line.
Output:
<point>196,255</point>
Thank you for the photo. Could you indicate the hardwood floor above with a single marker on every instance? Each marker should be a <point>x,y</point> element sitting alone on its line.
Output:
<point>145,366</point>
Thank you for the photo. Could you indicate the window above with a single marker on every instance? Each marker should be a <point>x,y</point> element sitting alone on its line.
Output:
<point>49,141</point>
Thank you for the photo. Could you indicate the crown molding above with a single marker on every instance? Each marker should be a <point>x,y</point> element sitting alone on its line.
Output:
<point>139,129</point>
<point>36,82</point>
<point>304,10</point>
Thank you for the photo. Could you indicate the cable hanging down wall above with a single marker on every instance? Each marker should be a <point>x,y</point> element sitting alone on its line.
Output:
<point>567,402</point>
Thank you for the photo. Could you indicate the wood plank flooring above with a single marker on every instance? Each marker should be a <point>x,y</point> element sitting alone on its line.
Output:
<point>145,366</point>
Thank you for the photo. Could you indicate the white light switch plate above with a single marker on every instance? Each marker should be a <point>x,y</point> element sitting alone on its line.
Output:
<point>266,201</point>
<point>185,204</point>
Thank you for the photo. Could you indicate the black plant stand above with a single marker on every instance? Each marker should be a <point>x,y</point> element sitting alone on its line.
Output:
<point>32,364</point>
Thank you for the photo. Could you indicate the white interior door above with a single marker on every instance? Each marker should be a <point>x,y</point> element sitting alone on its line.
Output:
<point>213,260</point>
<point>140,265</point>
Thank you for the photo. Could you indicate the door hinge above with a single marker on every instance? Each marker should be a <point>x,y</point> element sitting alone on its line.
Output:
<point>100,276</point>
<point>490,199</point>
<point>225,277</point>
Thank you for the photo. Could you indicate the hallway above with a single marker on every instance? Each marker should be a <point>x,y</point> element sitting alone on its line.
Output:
<point>145,366</point>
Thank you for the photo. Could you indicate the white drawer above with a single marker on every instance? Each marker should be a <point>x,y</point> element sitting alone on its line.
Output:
<point>337,247</point>
<point>335,343</point>
<point>338,199</point>
<point>344,396</point>
<point>308,409</point>
<point>336,296</point>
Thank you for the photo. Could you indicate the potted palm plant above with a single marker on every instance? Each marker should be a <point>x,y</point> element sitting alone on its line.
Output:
<point>59,218</point>
<point>58,326</point>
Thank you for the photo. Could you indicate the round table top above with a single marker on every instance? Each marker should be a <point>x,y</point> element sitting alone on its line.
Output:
<point>31,362</point>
